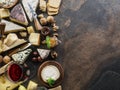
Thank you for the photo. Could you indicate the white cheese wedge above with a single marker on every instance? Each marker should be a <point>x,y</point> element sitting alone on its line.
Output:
<point>21,57</point>
<point>10,39</point>
<point>33,3</point>
<point>43,53</point>
<point>12,27</point>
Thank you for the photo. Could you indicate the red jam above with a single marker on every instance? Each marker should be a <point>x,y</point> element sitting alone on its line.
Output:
<point>15,72</point>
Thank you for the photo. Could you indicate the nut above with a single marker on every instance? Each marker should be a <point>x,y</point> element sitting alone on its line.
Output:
<point>43,21</point>
<point>50,19</point>
<point>40,16</point>
<point>45,31</point>
<point>6,59</point>
<point>55,28</point>
<point>43,42</point>
<point>54,54</point>
<point>55,34</point>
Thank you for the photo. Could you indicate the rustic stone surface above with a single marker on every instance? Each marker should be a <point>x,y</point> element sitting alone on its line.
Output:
<point>90,35</point>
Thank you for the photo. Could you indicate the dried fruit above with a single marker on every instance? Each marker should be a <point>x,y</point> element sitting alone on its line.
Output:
<point>55,28</point>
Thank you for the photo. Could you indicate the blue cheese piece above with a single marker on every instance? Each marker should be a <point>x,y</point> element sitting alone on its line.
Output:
<point>33,3</point>
<point>43,53</point>
<point>21,57</point>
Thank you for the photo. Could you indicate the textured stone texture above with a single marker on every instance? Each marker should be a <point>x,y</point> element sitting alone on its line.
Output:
<point>90,35</point>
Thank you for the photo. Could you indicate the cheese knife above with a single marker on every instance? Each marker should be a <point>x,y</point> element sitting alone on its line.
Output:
<point>22,47</point>
<point>36,22</point>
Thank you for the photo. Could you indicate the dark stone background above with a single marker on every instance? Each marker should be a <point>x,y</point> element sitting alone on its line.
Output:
<point>90,35</point>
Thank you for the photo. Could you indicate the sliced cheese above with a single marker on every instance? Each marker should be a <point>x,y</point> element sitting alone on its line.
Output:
<point>21,57</point>
<point>52,13</point>
<point>12,27</point>
<point>42,5</point>
<point>33,3</point>
<point>16,43</point>
<point>18,15</point>
<point>56,88</point>
<point>30,29</point>
<point>43,53</point>
<point>23,34</point>
<point>32,85</point>
<point>4,13</point>
<point>11,38</point>
<point>34,39</point>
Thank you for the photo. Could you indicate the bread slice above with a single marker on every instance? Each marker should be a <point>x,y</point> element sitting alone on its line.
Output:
<point>34,39</point>
<point>52,13</point>
<point>33,3</point>
<point>52,9</point>
<point>54,3</point>
<point>42,5</point>
<point>12,27</point>
<point>18,15</point>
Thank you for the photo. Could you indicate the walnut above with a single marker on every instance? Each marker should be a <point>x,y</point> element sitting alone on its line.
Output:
<point>50,19</point>
<point>43,21</point>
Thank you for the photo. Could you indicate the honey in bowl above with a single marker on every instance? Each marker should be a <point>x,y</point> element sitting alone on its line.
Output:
<point>14,72</point>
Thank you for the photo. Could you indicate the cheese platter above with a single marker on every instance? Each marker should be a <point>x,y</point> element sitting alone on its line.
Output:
<point>28,37</point>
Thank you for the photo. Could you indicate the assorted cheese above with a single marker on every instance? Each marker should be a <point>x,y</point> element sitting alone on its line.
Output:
<point>42,5</point>
<point>12,27</point>
<point>50,71</point>
<point>21,57</point>
<point>32,85</point>
<point>43,53</point>
<point>34,39</point>
<point>11,39</point>
<point>18,15</point>
<point>33,3</point>
<point>30,29</point>
<point>4,13</point>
